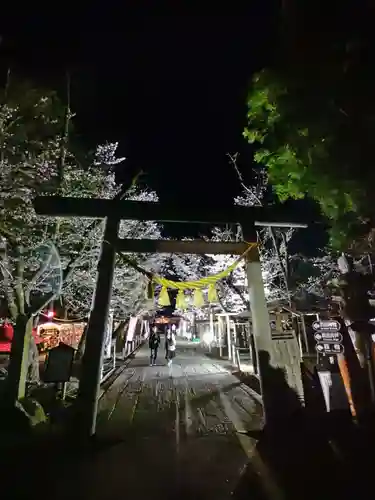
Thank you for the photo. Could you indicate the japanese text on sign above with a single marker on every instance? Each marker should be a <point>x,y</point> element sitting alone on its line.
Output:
<point>328,324</point>
<point>322,336</point>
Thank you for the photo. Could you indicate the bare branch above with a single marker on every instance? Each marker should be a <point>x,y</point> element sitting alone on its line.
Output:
<point>250,192</point>
<point>7,277</point>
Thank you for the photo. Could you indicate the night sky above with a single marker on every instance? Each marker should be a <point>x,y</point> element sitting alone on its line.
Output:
<point>170,88</point>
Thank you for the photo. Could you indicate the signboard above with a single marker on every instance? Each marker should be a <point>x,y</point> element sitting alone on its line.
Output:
<point>71,333</point>
<point>333,389</point>
<point>326,325</point>
<point>326,336</point>
<point>58,367</point>
<point>329,348</point>
<point>108,336</point>
<point>131,328</point>
<point>49,334</point>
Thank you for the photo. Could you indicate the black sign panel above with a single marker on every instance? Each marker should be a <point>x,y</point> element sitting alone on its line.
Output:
<point>326,325</point>
<point>322,336</point>
<point>329,348</point>
<point>59,363</point>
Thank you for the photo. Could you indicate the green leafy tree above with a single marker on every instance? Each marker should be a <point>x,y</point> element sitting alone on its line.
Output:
<point>312,120</point>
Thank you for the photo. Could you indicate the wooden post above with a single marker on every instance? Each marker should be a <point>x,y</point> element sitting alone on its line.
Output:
<point>304,332</point>
<point>93,357</point>
<point>252,349</point>
<point>109,331</point>
<point>229,338</point>
<point>281,385</point>
<point>238,359</point>
<point>212,328</point>
<point>220,331</point>
<point>63,391</point>
<point>194,326</point>
<point>297,326</point>
<point>212,324</point>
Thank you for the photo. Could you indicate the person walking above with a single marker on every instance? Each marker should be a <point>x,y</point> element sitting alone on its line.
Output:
<point>153,344</point>
<point>170,347</point>
<point>166,333</point>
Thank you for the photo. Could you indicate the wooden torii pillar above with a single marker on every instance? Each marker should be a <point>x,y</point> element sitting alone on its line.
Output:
<point>113,211</point>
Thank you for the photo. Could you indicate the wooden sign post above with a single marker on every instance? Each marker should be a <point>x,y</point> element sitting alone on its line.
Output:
<point>115,210</point>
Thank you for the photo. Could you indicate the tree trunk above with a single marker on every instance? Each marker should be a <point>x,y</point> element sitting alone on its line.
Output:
<point>24,360</point>
<point>81,345</point>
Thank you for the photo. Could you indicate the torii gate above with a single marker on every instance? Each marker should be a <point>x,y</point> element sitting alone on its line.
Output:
<point>113,211</point>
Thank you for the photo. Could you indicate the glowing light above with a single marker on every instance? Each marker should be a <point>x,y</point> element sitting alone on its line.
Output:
<point>208,337</point>
<point>50,314</point>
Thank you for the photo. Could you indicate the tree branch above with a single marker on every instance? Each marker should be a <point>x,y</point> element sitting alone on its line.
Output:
<point>286,256</point>
<point>35,279</point>
<point>239,292</point>
<point>95,224</point>
<point>6,274</point>
<point>220,300</point>
<point>280,260</point>
<point>20,268</point>
<point>65,135</point>
<point>134,265</point>
<point>233,161</point>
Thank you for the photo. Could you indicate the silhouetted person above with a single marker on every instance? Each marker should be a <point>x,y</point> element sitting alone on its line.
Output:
<point>170,347</point>
<point>167,332</point>
<point>281,400</point>
<point>153,343</point>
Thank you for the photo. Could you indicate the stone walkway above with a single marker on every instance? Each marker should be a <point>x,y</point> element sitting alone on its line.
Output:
<point>168,432</point>
<point>180,433</point>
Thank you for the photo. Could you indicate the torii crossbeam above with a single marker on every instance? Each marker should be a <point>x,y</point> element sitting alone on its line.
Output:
<point>114,211</point>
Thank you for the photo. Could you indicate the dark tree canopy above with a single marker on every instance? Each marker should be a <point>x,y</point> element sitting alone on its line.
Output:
<point>313,115</point>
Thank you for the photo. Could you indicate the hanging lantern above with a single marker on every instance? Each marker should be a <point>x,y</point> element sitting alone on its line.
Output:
<point>212,294</point>
<point>164,297</point>
<point>181,301</point>
<point>198,298</point>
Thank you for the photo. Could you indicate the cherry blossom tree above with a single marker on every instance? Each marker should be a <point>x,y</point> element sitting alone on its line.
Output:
<point>286,277</point>
<point>58,256</point>
<point>43,258</point>
<point>129,285</point>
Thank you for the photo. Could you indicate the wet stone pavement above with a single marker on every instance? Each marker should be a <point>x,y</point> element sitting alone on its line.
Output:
<point>170,431</point>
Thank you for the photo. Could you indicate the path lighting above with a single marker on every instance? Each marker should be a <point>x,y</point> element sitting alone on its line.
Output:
<point>208,338</point>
